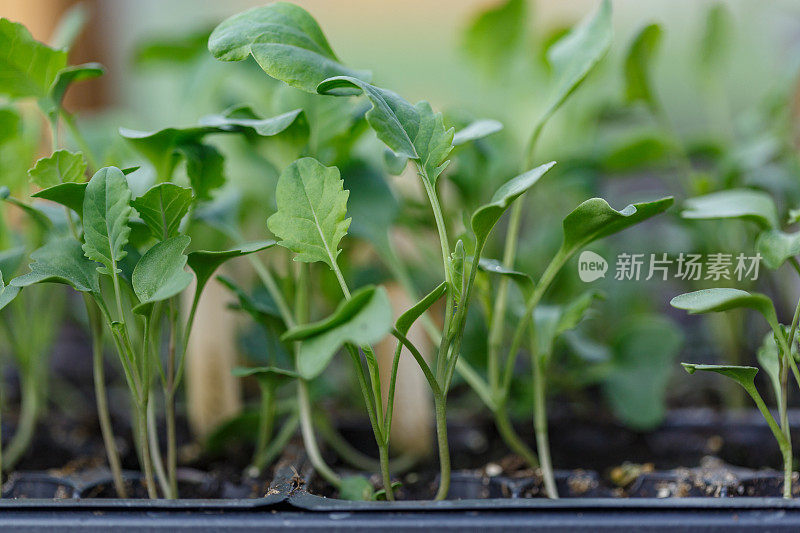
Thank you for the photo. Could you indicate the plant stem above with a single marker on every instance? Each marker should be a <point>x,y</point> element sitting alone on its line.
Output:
<point>276,446</point>
<point>169,403</point>
<point>383,453</point>
<point>101,399</point>
<point>499,310</point>
<point>310,440</point>
<point>266,418</point>
<point>69,120</point>
<point>144,444</point>
<point>540,425</point>
<point>444,450</point>
<point>784,443</point>
<point>155,451</point>
<point>26,427</point>
<point>512,439</point>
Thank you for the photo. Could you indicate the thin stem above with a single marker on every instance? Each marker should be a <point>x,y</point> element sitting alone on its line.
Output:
<point>144,444</point>
<point>169,403</point>
<point>266,417</point>
<point>784,443</point>
<point>499,311</point>
<point>28,414</point>
<point>383,453</point>
<point>102,401</point>
<point>310,440</point>
<point>510,437</point>
<point>69,120</point>
<point>540,424</point>
<point>155,449</point>
<point>444,450</point>
<point>276,446</point>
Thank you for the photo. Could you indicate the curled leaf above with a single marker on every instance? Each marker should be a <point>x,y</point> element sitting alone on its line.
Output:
<point>161,273</point>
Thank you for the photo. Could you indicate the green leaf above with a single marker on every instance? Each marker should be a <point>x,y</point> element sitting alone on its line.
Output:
<point>716,40</point>
<point>371,205</point>
<point>362,320</point>
<point>407,319</point>
<point>204,262</point>
<point>493,266</point>
<point>744,375</point>
<point>66,77</point>
<point>644,151</point>
<point>69,27</point>
<point>416,132</point>
<point>492,38</point>
<point>486,216</point>
<point>572,58</point>
<point>768,357</point>
<point>70,195</point>
<point>312,205</point>
<point>28,68</point>
<point>10,122</point>
<point>554,320</point>
<point>261,310</point>
<point>205,168</point>
<point>273,375</point>
<point>163,207</point>
<point>637,65</point>
<point>776,247</point>
<point>644,357</point>
<point>61,261</point>
<point>355,488</point>
<point>747,204</point>
<point>595,219</point>
<point>61,167</point>
<point>11,259</point>
<point>7,292</point>
<point>161,273</point>
<point>243,118</point>
<point>106,212</point>
<point>285,41</point>
<point>477,129</point>
<point>724,299</point>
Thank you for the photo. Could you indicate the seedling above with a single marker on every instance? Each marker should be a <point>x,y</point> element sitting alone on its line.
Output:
<point>312,208</point>
<point>776,356</point>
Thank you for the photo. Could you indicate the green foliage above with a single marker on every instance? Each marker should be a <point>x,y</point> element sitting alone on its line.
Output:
<point>638,86</point>
<point>776,247</point>
<point>106,212</point>
<point>163,207</point>
<point>744,375</point>
<point>495,35</point>
<point>746,204</point>
<point>312,206</point>
<point>204,262</point>
<point>484,219</point>
<point>161,273</point>
<point>61,167</point>
<point>61,261</point>
<point>720,299</point>
<point>28,68</point>
<point>7,292</point>
<point>285,41</point>
<point>362,320</point>
<point>68,194</point>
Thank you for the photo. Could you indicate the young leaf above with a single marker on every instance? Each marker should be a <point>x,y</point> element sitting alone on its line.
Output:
<point>61,261</point>
<point>572,58</point>
<point>744,375</point>
<point>637,65</point>
<point>724,299</point>
<point>362,320</point>
<point>776,247</point>
<point>204,262</point>
<point>161,273</point>
<point>28,68</point>
<point>475,130</point>
<point>262,310</point>
<point>273,375</point>
<point>285,41</point>
<point>747,204</point>
<point>493,266</point>
<point>106,212</point>
<point>69,27</point>
<point>61,167</point>
<point>595,219</point>
<point>715,40</point>
<point>484,219</point>
<point>407,319</point>
<point>7,292</point>
<point>11,259</point>
<point>163,207</point>
<point>768,357</point>
<point>66,77</point>
<point>644,353</point>
<point>356,488</point>
<point>205,168</point>
<point>243,118</point>
<point>312,205</point>
<point>552,321</point>
<point>495,34</point>
<point>70,195</point>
